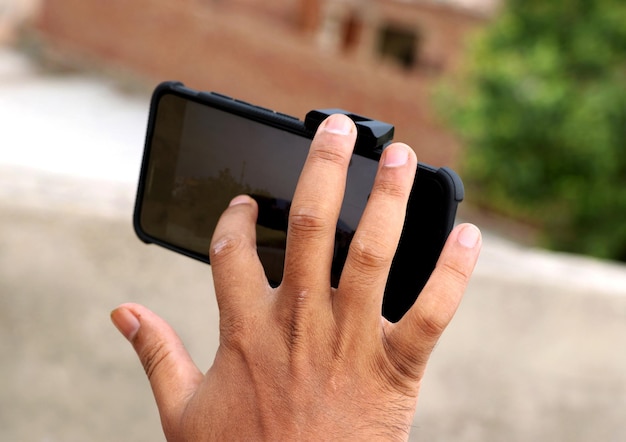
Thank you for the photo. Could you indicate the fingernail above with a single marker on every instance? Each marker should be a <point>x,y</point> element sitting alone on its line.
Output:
<point>126,322</point>
<point>338,124</point>
<point>241,199</point>
<point>469,236</point>
<point>395,156</point>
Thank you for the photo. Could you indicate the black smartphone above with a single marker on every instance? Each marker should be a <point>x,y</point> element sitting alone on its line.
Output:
<point>203,148</point>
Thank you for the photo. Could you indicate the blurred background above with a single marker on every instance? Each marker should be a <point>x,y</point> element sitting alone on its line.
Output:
<point>526,99</point>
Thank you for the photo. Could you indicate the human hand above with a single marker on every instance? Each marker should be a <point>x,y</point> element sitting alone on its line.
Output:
<point>306,361</point>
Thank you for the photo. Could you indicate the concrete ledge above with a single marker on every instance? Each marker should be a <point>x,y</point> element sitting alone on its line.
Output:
<point>535,352</point>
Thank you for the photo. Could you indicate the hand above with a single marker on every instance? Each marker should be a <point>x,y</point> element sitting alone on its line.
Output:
<point>304,361</point>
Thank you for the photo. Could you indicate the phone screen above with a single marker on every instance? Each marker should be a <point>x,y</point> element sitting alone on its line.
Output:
<point>202,150</point>
<point>200,157</point>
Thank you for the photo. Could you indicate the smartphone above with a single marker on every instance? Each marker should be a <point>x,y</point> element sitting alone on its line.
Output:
<point>204,148</point>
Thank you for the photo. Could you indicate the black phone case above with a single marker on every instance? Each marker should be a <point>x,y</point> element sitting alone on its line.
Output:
<point>419,245</point>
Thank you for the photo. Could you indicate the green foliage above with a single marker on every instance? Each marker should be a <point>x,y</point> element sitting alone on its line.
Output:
<point>542,110</point>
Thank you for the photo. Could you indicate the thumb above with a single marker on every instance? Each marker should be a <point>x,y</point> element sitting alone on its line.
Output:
<point>172,374</point>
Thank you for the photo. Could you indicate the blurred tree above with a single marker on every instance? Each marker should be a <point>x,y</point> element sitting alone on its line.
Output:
<point>542,110</point>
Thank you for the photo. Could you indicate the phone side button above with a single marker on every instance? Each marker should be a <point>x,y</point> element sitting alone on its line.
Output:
<point>264,109</point>
<point>217,94</point>
<point>243,102</point>
<point>291,117</point>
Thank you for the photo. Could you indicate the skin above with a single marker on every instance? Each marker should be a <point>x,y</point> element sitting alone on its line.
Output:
<point>305,361</point>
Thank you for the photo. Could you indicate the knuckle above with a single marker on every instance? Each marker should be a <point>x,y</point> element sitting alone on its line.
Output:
<point>370,255</point>
<point>329,152</point>
<point>454,273</point>
<point>432,326</point>
<point>234,332</point>
<point>400,364</point>
<point>226,246</point>
<point>391,188</point>
<point>308,222</point>
<point>154,356</point>
<point>294,328</point>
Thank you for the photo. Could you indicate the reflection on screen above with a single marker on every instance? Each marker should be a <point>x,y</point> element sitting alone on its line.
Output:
<point>204,157</point>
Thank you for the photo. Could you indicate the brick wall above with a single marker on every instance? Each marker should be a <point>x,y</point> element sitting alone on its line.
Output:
<point>15,14</point>
<point>254,54</point>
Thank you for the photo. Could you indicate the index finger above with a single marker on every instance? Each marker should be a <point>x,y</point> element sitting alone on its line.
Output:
<point>316,206</point>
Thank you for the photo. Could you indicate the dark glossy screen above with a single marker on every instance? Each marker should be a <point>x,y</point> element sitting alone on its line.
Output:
<point>201,157</point>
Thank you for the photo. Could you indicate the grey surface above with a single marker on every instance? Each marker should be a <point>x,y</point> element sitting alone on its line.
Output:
<point>536,351</point>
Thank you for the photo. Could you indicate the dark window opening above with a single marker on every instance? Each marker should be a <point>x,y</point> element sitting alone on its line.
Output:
<point>399,44</point>
<point>352,27</point>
